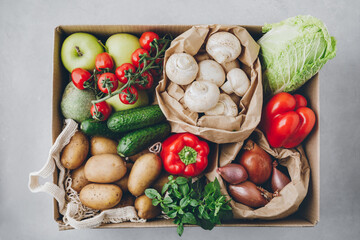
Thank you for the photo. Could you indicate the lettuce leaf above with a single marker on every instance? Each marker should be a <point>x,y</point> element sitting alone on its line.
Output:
<point>292,51</point>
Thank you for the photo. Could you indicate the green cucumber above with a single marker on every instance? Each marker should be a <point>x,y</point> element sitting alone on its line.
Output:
<point>92,127</point>
<point>136,141</point>
<point>136,118</point>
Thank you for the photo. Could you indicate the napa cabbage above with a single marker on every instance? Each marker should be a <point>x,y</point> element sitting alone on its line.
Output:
<point>292,51</point>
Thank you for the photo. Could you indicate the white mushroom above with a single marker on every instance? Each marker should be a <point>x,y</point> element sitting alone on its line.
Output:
<point>223,47</point>
<point>230,65</point>
<point>201,96</point>
<point>181,68</point>
<point>224,107</point>
<point>237,82</point>
<point>211,71</point>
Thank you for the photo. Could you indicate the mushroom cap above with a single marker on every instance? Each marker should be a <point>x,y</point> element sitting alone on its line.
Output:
<point>225,106</point>
<point>223,47</point>
<point>211,71</point>
<point>181,68</point>
<point>237,82</point>
<point>201,96</point>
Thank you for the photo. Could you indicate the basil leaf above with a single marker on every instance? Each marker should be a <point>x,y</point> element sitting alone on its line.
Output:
<point>180,229</point>
<point>155,202</point>
<point>172,214</point>
<point>184,189</point>
<point>181,180</point>
<point>194,203</point>
<point>167,200</point>
<point>189,218</point>
<point>165,188</point>
<point>152,193</point>
<point>184,202</point>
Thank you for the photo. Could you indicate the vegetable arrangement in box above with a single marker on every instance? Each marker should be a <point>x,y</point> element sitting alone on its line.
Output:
<point>211,146</point>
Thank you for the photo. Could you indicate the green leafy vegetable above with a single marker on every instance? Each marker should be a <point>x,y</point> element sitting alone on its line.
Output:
<point>192,203</point>
<point>292,51</point>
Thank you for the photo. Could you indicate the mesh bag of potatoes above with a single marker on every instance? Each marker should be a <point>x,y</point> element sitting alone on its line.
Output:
<point>212,83</point>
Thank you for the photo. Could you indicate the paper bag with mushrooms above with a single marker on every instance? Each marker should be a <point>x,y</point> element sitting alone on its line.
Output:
<point>283,202</point>
<point>212,83</point>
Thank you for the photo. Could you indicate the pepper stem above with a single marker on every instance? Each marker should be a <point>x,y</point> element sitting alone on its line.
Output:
<point>188,155</point>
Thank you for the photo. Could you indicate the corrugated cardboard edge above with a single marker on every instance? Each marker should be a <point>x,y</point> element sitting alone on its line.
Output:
<point>309,210</point>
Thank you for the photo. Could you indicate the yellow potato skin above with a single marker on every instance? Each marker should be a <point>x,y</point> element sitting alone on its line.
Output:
<point>145,171</point>
<point>102,145</point>
<point>105,168</point>
<point>123,182</point>
<point>160,181</point>
<point>100,196</point>
<point>126,200</point>
<point>78,179</point>
<point>74,153</point>
<point>145,209</point>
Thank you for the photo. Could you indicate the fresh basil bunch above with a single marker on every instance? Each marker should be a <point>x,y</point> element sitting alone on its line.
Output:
<point>192,203</point>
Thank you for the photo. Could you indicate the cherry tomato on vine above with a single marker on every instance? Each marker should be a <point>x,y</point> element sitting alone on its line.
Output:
<point>104,61</point>
<point>146,38</point>
<point>102,111</point>
<point>80,77</point>
<point>107,81</point>
<point>129,95</point>
<point>135,58</point>
<point>146,80</point>
<point>120,71</point>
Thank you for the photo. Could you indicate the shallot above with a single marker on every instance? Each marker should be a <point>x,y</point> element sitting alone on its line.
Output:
<point>257,163</point>
<point>249,194</point>
<point>278,179</point>
<point>233,173</point>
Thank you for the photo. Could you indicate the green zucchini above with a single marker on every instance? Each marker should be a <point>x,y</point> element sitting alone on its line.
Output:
<point>137,140</point>
<point>136,118</point>
<point>92,127</point>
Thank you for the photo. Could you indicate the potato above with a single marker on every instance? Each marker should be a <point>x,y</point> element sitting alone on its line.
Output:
<point>145,209</point>
<point>105,168</point>
<point>123,182</point>
<point>102,145</point>
<point>100,196</point>
<point>78,179</point>
<point>160,181</point>
<point>126,200</point>
<point>74,154</point>
<point>136,156</point>
<point>144,172</point>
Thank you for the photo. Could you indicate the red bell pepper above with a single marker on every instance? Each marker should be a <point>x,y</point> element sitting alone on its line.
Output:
<point>286,121</point>
<point>184,154</point>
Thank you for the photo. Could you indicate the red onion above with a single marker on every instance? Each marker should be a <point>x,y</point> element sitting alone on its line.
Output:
<point>278,179</point>
<point>257,163</point>
<point>249,194</point>
<point>233,173</point>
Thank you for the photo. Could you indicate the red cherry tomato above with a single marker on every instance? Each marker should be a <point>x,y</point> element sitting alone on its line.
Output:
<point>146,38</point>
<point>120,71</point>
<point>107,81</point>
<point>135,58</point>
<point>80,77</point>
<point>148,81</point>
<point>104,61</point>
<point>102,111</point>
<point>129,95</point>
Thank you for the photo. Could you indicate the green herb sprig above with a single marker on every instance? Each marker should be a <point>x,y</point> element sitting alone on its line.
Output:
<point>195,203</point>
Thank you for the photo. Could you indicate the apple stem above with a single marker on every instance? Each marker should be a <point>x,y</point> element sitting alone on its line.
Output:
<point>106,49</point>
<point>78,51</point>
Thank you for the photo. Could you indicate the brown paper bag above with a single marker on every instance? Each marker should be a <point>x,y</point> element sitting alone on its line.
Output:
<point>218,129</point>
<point>291,195</point>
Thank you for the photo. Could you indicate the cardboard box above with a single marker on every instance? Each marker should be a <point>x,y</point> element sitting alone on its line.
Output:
<point>309,211</point>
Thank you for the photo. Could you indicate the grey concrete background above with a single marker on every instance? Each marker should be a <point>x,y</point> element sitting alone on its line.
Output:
<point>26,51</point>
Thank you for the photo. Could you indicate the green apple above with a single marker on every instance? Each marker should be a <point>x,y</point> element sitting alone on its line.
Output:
<point>117,105</point>
<point>120,46</point>
<point>79,50</point>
